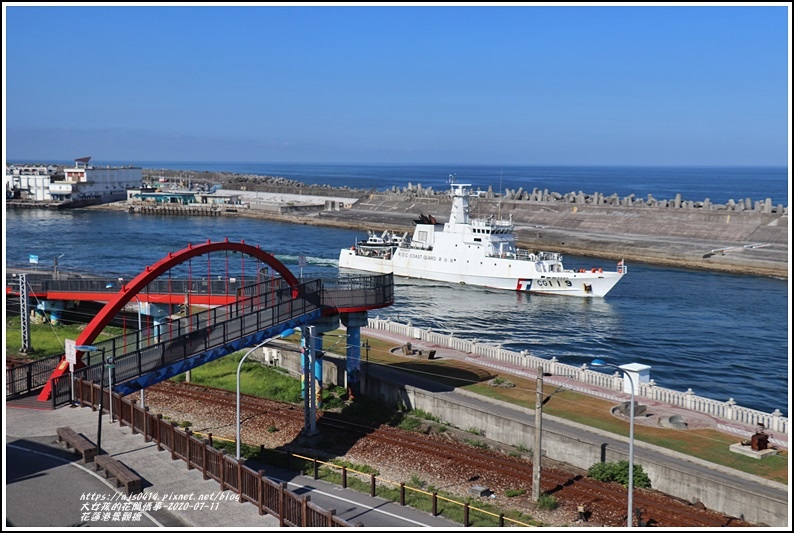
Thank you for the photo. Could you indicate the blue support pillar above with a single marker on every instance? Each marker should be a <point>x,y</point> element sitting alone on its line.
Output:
<point>304,365</point>
<point>160,315</point>
<point>54,307</point>
<point>318,368</point>
<point>353,361</point>
<point>320,326</point>
<point>353,322</point>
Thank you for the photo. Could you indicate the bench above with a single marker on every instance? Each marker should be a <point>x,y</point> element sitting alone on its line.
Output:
<point>81,445</point>
<point>121,474</point>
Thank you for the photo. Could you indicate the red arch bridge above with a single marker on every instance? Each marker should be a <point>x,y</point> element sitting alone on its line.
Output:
<point>243,306</point>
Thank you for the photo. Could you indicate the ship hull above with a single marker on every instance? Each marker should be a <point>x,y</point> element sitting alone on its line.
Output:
<point>502,273</point>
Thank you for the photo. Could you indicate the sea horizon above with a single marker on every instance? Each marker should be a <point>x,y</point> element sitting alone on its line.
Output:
<point>155,163</point>
<point>698,183</point>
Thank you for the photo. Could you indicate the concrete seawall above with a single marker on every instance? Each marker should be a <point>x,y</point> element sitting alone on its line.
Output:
<point>724,490</point>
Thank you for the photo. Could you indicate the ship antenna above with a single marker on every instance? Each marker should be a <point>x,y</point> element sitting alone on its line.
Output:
<point>499,204</point>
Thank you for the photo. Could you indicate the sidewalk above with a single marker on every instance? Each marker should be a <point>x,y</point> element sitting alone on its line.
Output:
<point>48,485</point>
<point>166,481</point>
<point>656,410</point>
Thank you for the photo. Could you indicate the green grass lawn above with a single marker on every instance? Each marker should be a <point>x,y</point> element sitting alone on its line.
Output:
<point>46,339</point>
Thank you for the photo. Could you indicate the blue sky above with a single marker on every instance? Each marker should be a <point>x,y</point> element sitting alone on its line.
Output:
<point>465,84</point>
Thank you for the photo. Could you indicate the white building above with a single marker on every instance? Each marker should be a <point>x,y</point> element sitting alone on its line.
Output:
<point>30,182</point>
<point>82,184</point>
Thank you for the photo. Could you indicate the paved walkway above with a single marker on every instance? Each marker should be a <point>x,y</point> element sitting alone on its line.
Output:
<point>32,433</point>
<point>49,486</point>
<point>656,410</point>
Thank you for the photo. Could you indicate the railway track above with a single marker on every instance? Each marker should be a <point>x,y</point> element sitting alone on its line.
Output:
<point>462,464</point>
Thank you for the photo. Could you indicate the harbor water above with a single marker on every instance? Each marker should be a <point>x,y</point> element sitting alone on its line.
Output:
<point>722,336</point>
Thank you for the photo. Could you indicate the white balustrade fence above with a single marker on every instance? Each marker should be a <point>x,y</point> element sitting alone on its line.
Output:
<point>727,410</point>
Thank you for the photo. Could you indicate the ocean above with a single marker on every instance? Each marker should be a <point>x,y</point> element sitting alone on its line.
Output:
<point>722,336</point>
<point>718,184</point>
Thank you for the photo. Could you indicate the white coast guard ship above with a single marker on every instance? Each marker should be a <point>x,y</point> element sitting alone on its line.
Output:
<point>475,252</point>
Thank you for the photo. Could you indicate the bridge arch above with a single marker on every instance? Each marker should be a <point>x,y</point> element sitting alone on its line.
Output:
<point>152,272</point>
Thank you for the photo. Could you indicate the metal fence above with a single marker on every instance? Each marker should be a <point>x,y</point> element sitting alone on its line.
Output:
<point>727,410</point>
<point>251,486</point>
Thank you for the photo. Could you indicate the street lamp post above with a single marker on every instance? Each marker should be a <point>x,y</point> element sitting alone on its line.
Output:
<point>630,519</point>
<point>55,265</point>
<point>111,366</point>
<point>90,348</point>
<point>285,333</point>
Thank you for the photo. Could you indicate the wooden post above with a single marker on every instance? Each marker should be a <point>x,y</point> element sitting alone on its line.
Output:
<point>223,470</point>
<point>260,492</point>
<point>304,511</point>
<point>146,436</point>
<point>157,424</point>
<point>188,435</point>
<point>204,459</point>
<point>281,496</point>
<point>240,463</point>
<point>173,441</point>
<point>133,412</point>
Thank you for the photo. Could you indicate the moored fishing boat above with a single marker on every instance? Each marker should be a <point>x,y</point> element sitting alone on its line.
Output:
<point>473,251</point>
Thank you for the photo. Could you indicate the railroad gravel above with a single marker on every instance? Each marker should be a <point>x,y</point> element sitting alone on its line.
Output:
<point>444,474</point>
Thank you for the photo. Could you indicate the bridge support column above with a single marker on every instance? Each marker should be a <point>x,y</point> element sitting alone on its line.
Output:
<point>354,322</point>
<point>160,315</point>
<point>321,326</point>
<point>307,370</point>
<point>55,308</point>
<point>318,368</point>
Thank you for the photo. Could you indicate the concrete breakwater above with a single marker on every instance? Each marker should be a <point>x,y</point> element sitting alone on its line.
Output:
<point>274,184</point>
<point>745,241</point>
<point>743,237</point>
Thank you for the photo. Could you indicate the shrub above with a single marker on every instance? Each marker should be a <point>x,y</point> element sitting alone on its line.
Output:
<point>619,473</point>
<point>416,481</point>
<point>547,502</point>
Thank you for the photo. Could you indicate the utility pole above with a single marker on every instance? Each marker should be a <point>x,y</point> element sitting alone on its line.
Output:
<point>536,452</point>
<point>24,315</point>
